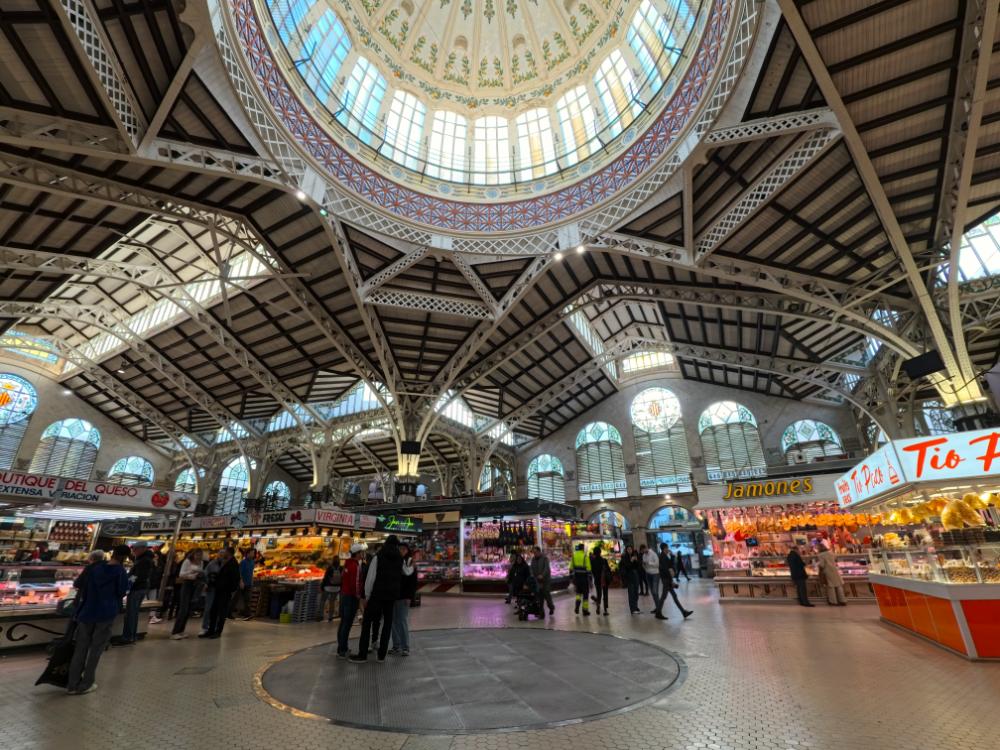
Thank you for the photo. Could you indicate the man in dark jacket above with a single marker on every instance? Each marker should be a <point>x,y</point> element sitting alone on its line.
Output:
<point>383,583</point>
<point>401,610</point>
<point>227,581</point>
<point>140,578</point>
<point>351,590</point>
<point>797,570</point>
<point>102,587</point>
<point>601,571</point>
<point>541,570</point>
<point>667,582</point>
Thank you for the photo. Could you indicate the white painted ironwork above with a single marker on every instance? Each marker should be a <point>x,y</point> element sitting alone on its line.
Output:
<point>766,127</point>
<point>439,303</point>
<point>408,260</point>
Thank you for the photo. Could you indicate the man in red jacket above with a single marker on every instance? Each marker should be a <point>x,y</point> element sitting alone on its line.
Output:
<point>351,592</point>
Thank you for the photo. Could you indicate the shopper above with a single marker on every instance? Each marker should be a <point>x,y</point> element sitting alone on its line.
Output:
<point>643,583</point>
<point>666,565</point>
<point>139,580</point>
<point>382,586</point>
<point>541,571</point>
<point>680,567</point>
<point>630,569</point>
<point>351,588</point>
<point>651,573</point>
<point>602,578</point>
<point>401,609</point>
<point>511,562</point>
<point>211,573</point>
<point>172,593</point>
<point>189,577</point>
<point>834,580</point>
<point>330,589</point>
<point>243,594</point>
<point>103,585</point>
<point>580,569</point>
<point>227,581</point>
<point>797,570</point>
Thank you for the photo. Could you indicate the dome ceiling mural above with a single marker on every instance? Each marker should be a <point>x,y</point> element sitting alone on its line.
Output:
<point>486,100</point>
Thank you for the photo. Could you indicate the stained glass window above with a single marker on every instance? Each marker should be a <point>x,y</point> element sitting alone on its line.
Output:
<point>279,492</point>
<point>731,442</point>
<point>187,481</point>
<point>131,470</point>
<point>577,124</point>
<point>404,127</point>
<point>233,486</point>
<point>600,463</point>
<point>536,149</point>
<point>616,87</point>
<point>807,440</point>
<point>446,158</point>
<point>661,449</point>
<point>68,448</point>
<point>491,151</point>
<point>362,99</point>
<point>546,478</point>
<point>18,400</point>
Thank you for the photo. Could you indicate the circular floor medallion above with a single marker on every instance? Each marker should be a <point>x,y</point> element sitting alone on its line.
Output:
<point>475,680</point>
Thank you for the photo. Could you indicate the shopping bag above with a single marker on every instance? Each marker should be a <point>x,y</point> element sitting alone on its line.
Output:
<point>57,670</point>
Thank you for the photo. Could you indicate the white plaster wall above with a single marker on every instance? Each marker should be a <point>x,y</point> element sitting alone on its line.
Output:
<point>773,416</point>
<point>54,405</point>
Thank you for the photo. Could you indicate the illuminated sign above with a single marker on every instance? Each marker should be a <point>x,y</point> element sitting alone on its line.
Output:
<point>877,474</point>
<point>770,488</point>
<point>39,488</point>
<point>403,524</point>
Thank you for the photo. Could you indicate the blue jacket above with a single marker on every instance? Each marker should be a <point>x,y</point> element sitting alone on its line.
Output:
<point>102,590</point>
<point>246,571</point>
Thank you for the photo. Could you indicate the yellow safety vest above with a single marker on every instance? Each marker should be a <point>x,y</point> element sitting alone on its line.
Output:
<point>581,561</point>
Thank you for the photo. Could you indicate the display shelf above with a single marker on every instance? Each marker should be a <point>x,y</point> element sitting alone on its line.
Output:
<point>31,587</point>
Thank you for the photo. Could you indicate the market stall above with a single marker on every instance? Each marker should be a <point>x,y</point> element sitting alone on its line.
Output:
<point>939,577</point>
<point>753,525</point>
<point>492,531</point>
<point>51,523</point>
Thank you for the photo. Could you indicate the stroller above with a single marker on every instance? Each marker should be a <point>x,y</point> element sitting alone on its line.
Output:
<point>526,601</point>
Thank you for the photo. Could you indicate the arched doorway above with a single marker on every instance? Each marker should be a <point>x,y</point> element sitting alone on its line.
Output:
<point>678,527</point>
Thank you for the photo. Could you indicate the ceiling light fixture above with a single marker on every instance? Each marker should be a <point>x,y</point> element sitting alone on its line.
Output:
<point>300,194</point>
<point>558,255</point>
<point>581,249</point>
<point>67,391</point>
<point>120,370</point>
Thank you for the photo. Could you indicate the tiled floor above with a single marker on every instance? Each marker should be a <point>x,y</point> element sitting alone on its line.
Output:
<point>759,677</point>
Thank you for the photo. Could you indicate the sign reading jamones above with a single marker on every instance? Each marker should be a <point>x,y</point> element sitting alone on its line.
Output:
<point>21,486</point>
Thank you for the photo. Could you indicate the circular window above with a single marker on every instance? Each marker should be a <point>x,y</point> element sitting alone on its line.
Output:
<point>17,399</point>
<point>656,410</point>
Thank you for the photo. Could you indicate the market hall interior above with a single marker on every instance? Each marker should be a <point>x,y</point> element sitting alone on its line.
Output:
<point>443,374</point>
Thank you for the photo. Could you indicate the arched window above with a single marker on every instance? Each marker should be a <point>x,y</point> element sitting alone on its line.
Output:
<point>616,87</point>
<point>496,481</point>
<point>233,486</point>
<point>323,50</point>
<point>68,448</point>
<point>677,527</point>
<point>546,478</point>
<point>731,442</point>
<point>611,522</point>
<point>278,493</point>
<point>536,148</point>
<point>446,158</point>
<point>578,125</point>
<point>672,516</point>
<point>131,470</point>
<point>18,400</point>
<point>808,440</point>
<point>661,448</point>
<point>600,463</point>
<point>187,481</point>
<point>362,98</point>
<point>491,151</point>
<point>404,128</point>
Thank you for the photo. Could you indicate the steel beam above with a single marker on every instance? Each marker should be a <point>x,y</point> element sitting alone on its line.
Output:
<point>769,127</point>
<point>408,260</point>
<point>436,303</point>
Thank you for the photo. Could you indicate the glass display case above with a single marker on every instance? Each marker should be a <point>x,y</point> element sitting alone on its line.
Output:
<point>488,544</point>
<point>947,564</point>
<point>438,559</point>
<point>24,588</point>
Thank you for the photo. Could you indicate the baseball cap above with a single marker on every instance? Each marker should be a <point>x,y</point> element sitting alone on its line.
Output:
<point>358,547</point>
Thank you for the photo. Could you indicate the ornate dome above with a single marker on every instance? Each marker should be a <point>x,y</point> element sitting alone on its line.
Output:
<point>485,106</point>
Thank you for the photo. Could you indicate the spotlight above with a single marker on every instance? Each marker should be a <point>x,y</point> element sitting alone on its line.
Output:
<point>581,249</point>
<point>120,370</point>
<point>67,391</point>
<point>558,256</point>
<point>323,212</point>
<point>300,194</point>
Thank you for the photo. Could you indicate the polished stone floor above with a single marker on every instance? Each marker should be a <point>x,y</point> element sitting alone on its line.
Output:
<point>759,677</point>
<point>477,679</point>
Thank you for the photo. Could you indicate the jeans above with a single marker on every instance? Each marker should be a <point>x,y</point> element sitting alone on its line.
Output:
<point>601,593</point>
<point>668,588</point>
<point>91,640</point>
<point>632,584</point>
<point>376,610</point>
<point>206,616</point>
<point>401,624</point>
<point>242,596</point>
<point>184,608</point>
<point>348,611</point>
<point>653,584</point>
<point>132,603</point>
<point>643,584</point>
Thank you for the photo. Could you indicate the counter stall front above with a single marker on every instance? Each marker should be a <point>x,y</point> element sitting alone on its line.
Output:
<point>940,578</point>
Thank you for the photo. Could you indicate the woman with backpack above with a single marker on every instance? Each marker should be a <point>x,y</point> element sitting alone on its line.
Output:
<point>330,588</point>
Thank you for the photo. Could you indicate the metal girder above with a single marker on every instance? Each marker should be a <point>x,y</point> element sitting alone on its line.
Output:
<point>110,321</point>
<point>84,26</point>
<point>768,127</point>
<point>110,384</point>
<point>437,303</point>
<point>377,463</point>
<point>169,98</point>
<point>393,270</point>
<point>215,161</point>
<point>23,259</point>
<point>961,384</point>
<point>806,149</point>
<point>477,284</point>
<point>32,130</point>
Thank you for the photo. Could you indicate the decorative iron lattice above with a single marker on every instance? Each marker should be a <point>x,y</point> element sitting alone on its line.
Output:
<point>777,125</point>
<point>430,303</point>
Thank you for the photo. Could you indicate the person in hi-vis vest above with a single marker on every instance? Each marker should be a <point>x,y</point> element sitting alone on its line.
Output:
<point>581,579</point>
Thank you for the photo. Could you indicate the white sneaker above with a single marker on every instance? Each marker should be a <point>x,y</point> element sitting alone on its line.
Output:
<point>178,636</point>
<point>202,632</point>
<point>155,620</point>
<point>91,689</point>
